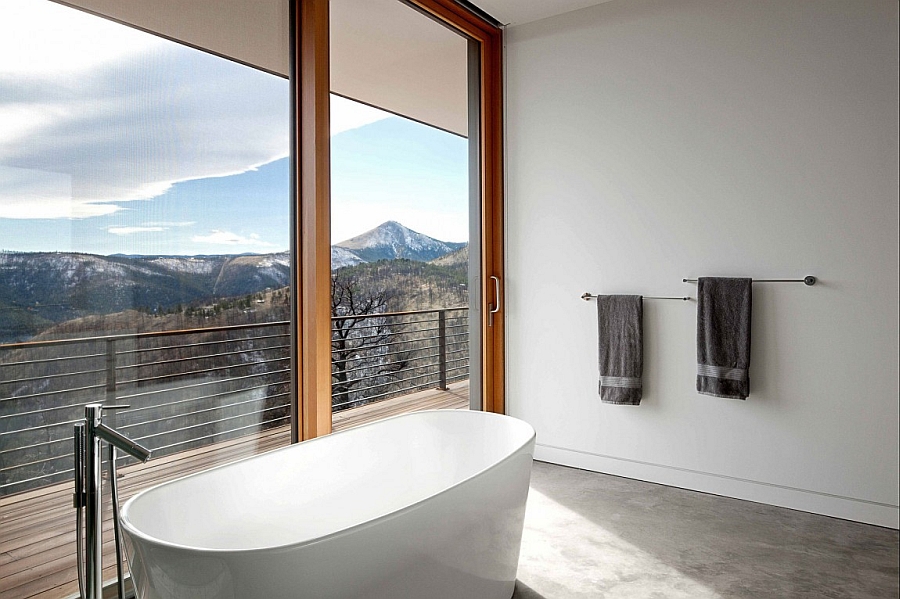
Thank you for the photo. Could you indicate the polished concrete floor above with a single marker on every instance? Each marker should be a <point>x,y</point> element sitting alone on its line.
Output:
<point>596,536</point>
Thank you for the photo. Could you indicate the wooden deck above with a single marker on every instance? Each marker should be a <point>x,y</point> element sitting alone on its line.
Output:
<point>37,528</point>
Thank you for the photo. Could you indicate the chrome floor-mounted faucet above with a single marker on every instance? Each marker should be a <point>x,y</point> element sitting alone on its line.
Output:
<point>88,499</point>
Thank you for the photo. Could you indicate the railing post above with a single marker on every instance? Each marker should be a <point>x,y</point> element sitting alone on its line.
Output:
<point>442,350</point>
<point>110,370</point>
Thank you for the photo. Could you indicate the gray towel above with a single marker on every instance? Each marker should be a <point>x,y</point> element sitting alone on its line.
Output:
<point>620,324</point>
<point>723,337</point>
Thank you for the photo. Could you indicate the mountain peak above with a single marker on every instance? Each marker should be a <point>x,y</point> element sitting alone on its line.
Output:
<point>389,227</point>
<point>391,240</point>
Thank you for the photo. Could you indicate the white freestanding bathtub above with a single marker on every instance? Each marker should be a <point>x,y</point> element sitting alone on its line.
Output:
<point>427,505</point>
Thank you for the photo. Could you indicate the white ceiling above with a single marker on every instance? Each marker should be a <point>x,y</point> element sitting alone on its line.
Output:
<point>516,12</point>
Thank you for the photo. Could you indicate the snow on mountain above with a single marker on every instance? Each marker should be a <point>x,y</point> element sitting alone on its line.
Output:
<point>391,240</point>
<point>279,259</point>
<point>186,264</point>
<point>341,257</point>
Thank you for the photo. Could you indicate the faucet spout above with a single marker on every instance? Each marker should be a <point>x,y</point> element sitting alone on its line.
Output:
<point>132,448</point>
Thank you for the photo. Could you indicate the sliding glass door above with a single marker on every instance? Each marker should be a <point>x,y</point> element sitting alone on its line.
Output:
<point>412,189</point>
<point>400,213</point>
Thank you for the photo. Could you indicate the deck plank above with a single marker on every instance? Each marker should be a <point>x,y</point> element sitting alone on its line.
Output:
<point>37,527</point>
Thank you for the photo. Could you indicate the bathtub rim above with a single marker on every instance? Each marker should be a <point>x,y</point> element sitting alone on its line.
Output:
<point>344,531</point>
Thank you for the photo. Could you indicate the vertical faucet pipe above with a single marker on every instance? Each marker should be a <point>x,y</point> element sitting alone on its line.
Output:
<point>114,491</point>
<point>78,500</point>
<point>93,521</point>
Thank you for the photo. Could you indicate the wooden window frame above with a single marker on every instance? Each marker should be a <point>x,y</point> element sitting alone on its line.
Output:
<point>311,206</point>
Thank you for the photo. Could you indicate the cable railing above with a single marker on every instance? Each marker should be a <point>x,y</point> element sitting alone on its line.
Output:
<point>185,389</point>
<point>191,388</point>
<point>379,356</point>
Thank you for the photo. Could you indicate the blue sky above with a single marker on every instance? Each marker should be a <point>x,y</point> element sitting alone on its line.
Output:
<point>396,169</point>
<point>114,141</point>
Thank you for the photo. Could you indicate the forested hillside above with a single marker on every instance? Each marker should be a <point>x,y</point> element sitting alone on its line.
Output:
<point>410,285</point>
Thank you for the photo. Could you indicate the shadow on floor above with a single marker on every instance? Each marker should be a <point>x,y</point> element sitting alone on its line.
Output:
<point>523,591</point>
<point>595,535</point>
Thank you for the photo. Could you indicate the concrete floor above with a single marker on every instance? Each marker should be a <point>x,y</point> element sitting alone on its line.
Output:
<point>590,535</point>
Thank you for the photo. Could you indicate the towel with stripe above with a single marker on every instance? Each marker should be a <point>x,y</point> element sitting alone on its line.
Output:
<point>620,326</point>
<point>723,336</point>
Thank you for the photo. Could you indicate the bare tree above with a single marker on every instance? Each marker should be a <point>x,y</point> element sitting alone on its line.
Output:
<point>363,357</point>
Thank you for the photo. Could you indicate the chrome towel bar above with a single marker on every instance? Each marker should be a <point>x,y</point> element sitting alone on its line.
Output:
<point>587,296</point>
<point>809,280</point>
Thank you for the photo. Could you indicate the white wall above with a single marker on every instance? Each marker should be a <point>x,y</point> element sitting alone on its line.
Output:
<point>651,140</point>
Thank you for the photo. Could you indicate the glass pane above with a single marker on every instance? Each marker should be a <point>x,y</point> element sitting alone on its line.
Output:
<point>144,229</point>
<point>401,213</point>
<point>400,225</point>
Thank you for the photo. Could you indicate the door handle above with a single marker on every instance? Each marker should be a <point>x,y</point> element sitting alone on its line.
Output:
<point>494,307</point>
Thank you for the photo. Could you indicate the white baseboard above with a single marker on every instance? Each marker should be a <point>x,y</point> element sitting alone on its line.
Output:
<point>847,508</point>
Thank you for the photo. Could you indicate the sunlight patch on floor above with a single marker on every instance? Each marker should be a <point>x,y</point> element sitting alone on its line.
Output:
<point>565,555</point>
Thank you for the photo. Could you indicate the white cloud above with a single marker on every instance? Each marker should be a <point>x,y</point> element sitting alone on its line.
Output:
<point>129,118</point>
<point>66,39</point>
<point>132,230</point>
<point>20,120</point>
<point>186,223</point>
<point>31,193</point>
<point>217,237</point>
<point>347,114</point>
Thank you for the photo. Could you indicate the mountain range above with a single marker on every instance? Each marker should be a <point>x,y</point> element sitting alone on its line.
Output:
<point>40,289</point>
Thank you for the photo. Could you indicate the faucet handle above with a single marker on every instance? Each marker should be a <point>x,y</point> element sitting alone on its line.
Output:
<point>115,407</point>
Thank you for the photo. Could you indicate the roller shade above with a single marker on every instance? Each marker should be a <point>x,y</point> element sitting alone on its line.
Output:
<point>383,53</point>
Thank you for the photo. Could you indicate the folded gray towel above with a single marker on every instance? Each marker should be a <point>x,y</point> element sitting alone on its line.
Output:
<point>723,337</point>
<point>620,325</point>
